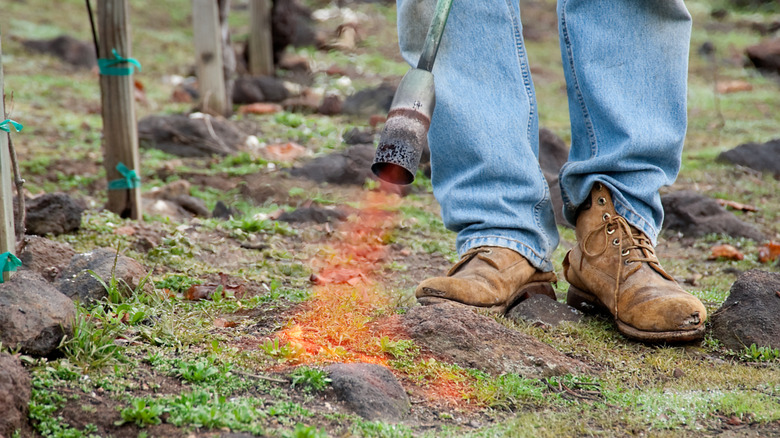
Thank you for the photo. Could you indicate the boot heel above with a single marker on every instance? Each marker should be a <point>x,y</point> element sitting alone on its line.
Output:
<point>584,301</point>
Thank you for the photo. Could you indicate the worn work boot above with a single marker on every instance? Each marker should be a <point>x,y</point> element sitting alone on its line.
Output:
<point>488,277</point>
<point>613,267</point>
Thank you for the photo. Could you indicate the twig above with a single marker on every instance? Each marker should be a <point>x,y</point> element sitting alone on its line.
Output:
<point>261,377</point>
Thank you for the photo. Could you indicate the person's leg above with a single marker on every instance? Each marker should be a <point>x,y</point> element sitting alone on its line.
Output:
<point>484,132</point>
<point>626,66</point>
<point>626,71</point>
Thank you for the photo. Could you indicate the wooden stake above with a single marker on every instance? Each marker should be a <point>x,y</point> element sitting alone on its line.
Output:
<point>261,57</point>
<point>208,54</point>
<point>7,233</point>
<point>120,132</point>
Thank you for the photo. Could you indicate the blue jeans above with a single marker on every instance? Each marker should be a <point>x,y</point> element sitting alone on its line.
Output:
<point>625,64</point>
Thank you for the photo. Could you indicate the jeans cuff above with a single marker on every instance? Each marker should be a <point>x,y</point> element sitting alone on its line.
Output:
<point>524,250</point>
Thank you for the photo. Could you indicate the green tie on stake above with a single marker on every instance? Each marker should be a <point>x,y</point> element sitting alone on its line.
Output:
<point>6,124</point>
<point>8,262</point>
<point>130,179</point>
<point>108,67</point>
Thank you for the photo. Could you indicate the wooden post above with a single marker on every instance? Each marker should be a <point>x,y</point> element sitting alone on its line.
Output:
<point>7,233</point>
<point>208,54</point>
<point>120,131</point>
<point>261,57</point>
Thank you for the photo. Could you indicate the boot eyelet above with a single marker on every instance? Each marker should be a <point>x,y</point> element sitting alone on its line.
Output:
<point>627,262</point>
<point>602,201</point>
<point>625,253</point>
<point>616,242</point>
<point>605,217</point>
<point>488,251</point>
<point>610,231</point>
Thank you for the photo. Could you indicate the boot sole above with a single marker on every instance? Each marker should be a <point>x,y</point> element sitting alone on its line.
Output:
<point>589,303</point>
<point>526,291</point>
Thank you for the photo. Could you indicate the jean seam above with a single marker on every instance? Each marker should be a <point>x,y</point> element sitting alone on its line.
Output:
<point>636,219</point>
<point>522,58</point>
<point>575,82</point>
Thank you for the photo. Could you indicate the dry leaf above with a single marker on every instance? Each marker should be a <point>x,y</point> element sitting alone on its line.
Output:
<point>224,323</point>
<point>769,252</point>
<point>735,205</point>
<point>283,151</point>
<point>734,86</point>
<point>259,108</point>
<point>126,230</point>
<point>727,252</point>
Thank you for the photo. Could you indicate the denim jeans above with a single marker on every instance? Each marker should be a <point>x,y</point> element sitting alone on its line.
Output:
<point>625,64</point>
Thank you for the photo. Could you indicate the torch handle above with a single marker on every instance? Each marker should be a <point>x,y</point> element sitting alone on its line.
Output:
<point>435,32</point>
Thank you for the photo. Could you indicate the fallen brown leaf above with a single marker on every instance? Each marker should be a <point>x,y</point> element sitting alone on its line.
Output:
<point>260,108</point>
<point>734,86</point>
<point>224,323</point>
<point>727,252</point>
<point>768,252</point>
<point>283,151</point>
<point>735,205</point>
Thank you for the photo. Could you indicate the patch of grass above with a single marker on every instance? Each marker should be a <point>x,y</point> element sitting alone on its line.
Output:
<point>509,391</point>
<point>311,379</point>
<point>754,353</point>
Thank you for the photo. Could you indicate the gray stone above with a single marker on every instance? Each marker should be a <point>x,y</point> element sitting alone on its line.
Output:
<point>750,313</point>
<point>351,166</point>
<point>76,282</point>
<point>458,334</point>
<point>45,256</point>
<point>33,314</point>
<point>764,157</point>
<point>695,215</point>
<point>53,213</point>
<point>540,309</point>
<point>370,391</point>
<point>15,390</point>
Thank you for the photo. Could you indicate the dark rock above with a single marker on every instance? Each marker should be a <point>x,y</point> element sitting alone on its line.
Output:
<point>330,106</point>
<point>251,89</point>
<point>291,24</point>
<point>319,215</point>
<point>749,314</point>
<point>369,390</point>
<point>459,335</point>
<point>77,283</point>
<point>765,55</point>
<point>181,135</point>
<point>351,166</point>
<point>75,52</point>
<point>15,391</point>
<point>53,213</point>
<point>193,205</point>
<point>542,309</point>
<point>222,211</point>
<point>764,157</point>
<point>45,256</point>
<point>695,215</point>
<point>553,154</point>
<point>356,136</point>
<point>370,101</point>
<point>33,314</point>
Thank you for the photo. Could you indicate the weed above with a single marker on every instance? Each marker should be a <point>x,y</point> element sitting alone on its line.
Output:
<point>177,283</point>
<point>755,353</point>
<point>508,391</point>
<point>378,429</point>
<point>287,351</point>
<point>402,349</point>
<point>304,431</point>
<point>312,379</point>
<point>198,371</point>
<point>141,412</point>
<point>91,345</point>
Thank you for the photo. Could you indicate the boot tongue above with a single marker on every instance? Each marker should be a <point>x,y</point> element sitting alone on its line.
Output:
<point>647,251</point>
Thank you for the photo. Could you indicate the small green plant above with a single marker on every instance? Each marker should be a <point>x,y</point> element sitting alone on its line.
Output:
<point>310,378</point>
<point>200,370</point>
<point>291,120</point>
<point>279,351</point>
<point>141,412</point>
<point>304,431</point>
<point>755,353</point>
<point>91,345</point>
<point>400,349</point>
<point>177,283</point>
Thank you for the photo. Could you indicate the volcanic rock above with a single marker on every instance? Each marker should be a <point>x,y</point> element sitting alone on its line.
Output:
<point>251,89</point>
<point>459,335</point>
<point>695,215</point>
<point>370,101</point>
<point>190,136</point>
<point>319,215</point>
<point>71,50</point>
<point>53,213</point>
<point>369,390</point>
<point>749,314</point>
<point>291,24</point>
<point>765,55</point>
<point>351,166</point>
<point>45,256</point>
<point>540,309</point>
<point>33,314</point>
<point>764,157</point>
<point>356,136</point>
<point>76,282</point>
<point>15,391</point>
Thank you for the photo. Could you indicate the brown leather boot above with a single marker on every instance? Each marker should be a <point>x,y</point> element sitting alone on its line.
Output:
<point>614,267</point>
<point>488,277</point>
